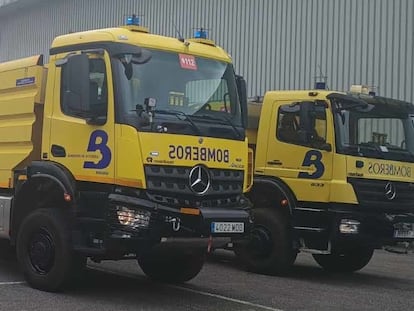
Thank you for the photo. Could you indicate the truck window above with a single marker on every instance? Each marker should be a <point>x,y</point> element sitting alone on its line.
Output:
<point>213,92</point>
<point>205,93</point>
<point>381,131</point>
<point>296,127</point>
<point>288,127</point>
<point>98,94</point>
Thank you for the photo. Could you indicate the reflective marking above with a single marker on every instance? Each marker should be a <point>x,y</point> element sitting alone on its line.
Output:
<point>246,303</point>
<point>12,283</point>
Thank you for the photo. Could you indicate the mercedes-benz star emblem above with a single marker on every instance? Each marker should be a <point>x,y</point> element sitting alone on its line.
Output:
<point>390,191</point>
<point>199,179</point>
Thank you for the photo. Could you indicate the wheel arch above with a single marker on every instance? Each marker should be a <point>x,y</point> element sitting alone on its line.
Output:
<point>48,184</point>
<point>269,192</point>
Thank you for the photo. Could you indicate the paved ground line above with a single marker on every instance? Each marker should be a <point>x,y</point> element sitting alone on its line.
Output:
<point>12,283</point>
<point>243,302</point>
<point>199,292</point>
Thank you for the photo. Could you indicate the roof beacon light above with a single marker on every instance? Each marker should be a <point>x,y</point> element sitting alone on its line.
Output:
<point>363,89</point>
<point>200,34</point>
<point>132,20</point>
<point>133,23</point>
<point>320,85</point>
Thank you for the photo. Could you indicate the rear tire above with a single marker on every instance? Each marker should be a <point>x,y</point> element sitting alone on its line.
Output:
<point>44,250</point>
<point>172,266</point>
<point>346,261</point>
<point>270,249</point>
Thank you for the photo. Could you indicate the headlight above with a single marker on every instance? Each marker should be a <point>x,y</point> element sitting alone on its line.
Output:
<point>134,218</point>
<point>349,226</point>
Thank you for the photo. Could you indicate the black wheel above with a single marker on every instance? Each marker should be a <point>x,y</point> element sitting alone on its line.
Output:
<point>172,267</point>
<point>346,261</point>
<point>44,250</point>
<point>269,250</point>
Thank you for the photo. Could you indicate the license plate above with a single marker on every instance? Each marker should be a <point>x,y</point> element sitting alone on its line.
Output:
<point>404,234</point>
<point>404,230</point>
<point>227,227</point>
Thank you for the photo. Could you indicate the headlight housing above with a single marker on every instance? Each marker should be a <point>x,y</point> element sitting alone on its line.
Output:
<point>133,218</point>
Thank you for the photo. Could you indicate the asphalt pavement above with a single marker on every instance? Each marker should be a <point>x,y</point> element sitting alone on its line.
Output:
<point>387,283</point>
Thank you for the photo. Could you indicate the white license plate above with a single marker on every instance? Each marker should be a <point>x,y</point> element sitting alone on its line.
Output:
<point>227,227</point>
<point>404,230</point>
<point>404,234</point>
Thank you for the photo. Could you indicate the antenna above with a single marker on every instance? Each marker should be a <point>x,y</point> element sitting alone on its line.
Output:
<point>180,36</point>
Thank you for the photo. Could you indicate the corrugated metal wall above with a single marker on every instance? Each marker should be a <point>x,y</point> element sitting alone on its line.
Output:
<point>276,44</point>
<point>6,2</point>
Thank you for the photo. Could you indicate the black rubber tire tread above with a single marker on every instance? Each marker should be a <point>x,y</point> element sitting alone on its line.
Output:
<point>65,263</point>
<point>281,256</point>
<point>172,267</point>
<point>347,261</point>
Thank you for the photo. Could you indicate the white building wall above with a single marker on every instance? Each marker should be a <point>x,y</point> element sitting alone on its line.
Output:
<point>275,44</point>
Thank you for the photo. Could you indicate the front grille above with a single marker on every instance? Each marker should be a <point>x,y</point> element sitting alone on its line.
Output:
<point>171,185</point>
<point>371,193</point>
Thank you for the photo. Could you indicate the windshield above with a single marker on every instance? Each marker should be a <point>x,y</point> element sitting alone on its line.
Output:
<point>375,128</point>
<point>179,93</point>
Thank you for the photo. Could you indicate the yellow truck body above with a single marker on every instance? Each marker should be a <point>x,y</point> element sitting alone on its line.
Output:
<point>333,176</point>
<point>112,149</point>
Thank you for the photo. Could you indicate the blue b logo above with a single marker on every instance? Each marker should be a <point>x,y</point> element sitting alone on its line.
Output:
<point>98,142</point>
<point>313,158</point>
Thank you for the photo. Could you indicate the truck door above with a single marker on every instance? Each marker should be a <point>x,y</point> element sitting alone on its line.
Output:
<point>82,121</point>
<point>300,148</point>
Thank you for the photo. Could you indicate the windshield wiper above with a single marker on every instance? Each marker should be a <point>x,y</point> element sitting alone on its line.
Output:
<point>179,114</point>
<point>398,151</point>
<point>236,130</point>
<point>224,121</point>
<point>369,147</point>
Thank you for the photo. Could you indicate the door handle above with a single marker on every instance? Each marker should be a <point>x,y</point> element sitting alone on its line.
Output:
<point>58,151</point>
<point>274,162</point>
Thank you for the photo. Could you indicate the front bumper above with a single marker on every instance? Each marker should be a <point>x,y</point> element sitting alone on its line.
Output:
<point>350,225</point>
<point>165,226</point>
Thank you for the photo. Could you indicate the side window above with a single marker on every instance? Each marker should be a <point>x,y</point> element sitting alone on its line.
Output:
<point>288,126</point>
<point>96,98</point>
<point>302,123</point>
<point>98,91</point>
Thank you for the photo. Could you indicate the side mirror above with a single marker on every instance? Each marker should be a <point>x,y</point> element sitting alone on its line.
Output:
<point>76,84</point>
<point>242,92</point>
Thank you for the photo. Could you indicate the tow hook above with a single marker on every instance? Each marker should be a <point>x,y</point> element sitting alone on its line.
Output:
<point>176,223</point>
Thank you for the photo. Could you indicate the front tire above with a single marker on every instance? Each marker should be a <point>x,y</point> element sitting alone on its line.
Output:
<point>44,250</point>
<point>345,261</point>
<point>172,266</point>
<point>270,249</point>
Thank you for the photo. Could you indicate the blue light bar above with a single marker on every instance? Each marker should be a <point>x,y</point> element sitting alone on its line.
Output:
<point>132,20</point>
<point>200,34</point>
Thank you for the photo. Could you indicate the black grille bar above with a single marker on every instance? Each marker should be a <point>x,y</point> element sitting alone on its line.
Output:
<point>171,184</point>
<point>371,193</point>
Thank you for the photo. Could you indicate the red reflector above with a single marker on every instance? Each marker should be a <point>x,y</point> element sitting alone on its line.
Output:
<point>67,197</point>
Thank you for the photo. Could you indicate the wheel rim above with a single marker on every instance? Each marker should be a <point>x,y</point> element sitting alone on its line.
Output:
<point>42,251</point>
<point>261,242</point>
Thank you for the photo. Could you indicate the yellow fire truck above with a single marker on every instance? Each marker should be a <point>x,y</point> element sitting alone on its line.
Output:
<point>126,144</point>
<point>333,176</point>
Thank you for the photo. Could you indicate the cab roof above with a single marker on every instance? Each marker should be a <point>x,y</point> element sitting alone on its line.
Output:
<point>142,39</point>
